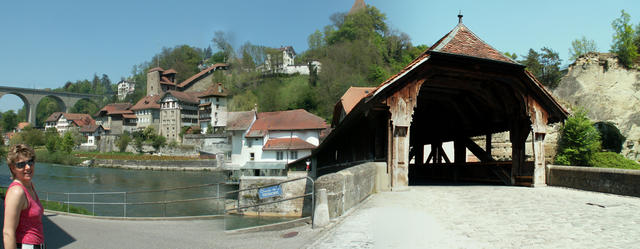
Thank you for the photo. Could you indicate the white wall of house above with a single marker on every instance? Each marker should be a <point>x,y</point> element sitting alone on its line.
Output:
<point>287,156</point>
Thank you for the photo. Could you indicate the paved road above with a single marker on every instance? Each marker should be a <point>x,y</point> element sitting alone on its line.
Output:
<point>481,216</point>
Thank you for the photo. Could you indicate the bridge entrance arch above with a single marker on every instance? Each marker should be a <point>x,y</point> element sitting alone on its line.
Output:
<point>459,88</point>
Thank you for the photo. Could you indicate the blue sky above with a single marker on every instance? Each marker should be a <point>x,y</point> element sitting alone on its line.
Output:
<point>43,44</point>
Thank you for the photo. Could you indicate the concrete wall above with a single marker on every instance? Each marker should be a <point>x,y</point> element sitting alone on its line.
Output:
<point>349,187</point>
<point>606,180</point>
<point>292,208</point>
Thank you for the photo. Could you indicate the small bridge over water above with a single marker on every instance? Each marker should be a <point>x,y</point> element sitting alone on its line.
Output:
<point>31,98</point>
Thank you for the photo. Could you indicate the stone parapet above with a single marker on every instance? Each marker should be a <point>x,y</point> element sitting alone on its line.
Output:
<point>348,187</point>
<point>157,164</point>
<point>606,180</point>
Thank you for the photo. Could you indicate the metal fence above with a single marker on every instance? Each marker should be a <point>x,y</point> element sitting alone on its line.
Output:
<point>197,200</point>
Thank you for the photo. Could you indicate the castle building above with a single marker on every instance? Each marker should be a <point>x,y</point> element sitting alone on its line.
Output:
<point>212,110</point>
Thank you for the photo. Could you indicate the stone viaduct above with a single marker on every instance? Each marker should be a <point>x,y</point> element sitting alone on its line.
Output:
<point>31,98</point>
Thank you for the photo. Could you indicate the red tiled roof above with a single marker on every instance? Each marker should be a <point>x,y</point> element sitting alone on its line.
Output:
<point>54,117</point>
<point>115,109</point>
<point>353,95</point>
<point>156,69</point>
<point>239,121</point>
<point>287,144</point>
<point>288,120</point>
<point>21,125</point>
<point>79,119</point>
<point>214,91</point>
<point>148,102</point>
<point>256,133</point>
<point>189,97</point>
<point>170,71</point>
<point>90,128</point>
<point>201,73</point>
<point>464,42</point>
<point>165,80</point>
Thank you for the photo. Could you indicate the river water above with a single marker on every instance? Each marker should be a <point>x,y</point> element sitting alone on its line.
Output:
<point>52,181</point>
<point>105,187</point>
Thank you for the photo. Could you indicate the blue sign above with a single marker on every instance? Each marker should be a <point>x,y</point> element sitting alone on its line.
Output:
<point>270,192</point>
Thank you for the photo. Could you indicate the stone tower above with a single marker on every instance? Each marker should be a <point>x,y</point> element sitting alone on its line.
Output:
<point>153,81</point>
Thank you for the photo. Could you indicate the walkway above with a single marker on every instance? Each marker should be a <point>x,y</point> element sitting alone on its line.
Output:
<point>482,216</point>
<point>436,216</point>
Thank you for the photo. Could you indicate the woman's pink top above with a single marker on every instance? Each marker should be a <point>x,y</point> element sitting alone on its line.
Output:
<point>29,229</point>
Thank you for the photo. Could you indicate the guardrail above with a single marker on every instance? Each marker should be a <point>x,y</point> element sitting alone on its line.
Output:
<point>125,201</point>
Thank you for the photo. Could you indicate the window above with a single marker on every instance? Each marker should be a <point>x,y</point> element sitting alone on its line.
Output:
<point>251,156</point>
<point>293,154</point>
<point>249,142</point>
<point>217,106</point>
<point>279,155</point>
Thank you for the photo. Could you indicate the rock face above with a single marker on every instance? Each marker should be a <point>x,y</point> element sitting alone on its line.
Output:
<point>608,92</point>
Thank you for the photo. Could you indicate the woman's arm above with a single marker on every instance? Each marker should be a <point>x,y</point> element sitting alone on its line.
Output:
<point>15,201</point>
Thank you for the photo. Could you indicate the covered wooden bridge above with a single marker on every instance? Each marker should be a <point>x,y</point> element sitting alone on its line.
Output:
<point>460,88</point>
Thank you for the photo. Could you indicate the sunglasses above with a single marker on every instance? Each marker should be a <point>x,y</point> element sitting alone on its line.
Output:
<point>21,165</point>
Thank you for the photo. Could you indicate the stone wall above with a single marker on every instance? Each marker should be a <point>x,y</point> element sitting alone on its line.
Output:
<point>606,180</point>
<point>501,145</point>
<point>349,187</point>
<point>292,208</point>
<point>209,143</point>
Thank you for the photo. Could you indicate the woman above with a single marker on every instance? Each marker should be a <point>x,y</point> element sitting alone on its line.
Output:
<point>22,208</point>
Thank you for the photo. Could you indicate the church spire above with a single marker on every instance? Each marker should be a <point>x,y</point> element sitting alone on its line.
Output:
<point>357,6</point>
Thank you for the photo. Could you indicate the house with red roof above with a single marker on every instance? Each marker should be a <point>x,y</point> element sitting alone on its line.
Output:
<point>63,122</point>
<point>147,111</point>
<point>117,118</point>
<point>273,139</point>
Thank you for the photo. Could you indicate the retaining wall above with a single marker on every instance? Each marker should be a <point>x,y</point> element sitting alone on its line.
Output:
<point>159,164</point>
<point>606,180</point>
<point>292,208</point>
<point>348,187</point>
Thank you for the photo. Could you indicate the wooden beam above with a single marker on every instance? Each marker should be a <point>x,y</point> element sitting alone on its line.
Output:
<point>477,150</point>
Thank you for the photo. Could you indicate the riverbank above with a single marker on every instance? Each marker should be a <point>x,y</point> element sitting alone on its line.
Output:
<point>177,165</point>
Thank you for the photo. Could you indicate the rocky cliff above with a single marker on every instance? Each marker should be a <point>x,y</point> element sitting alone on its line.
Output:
<point>608,92</point>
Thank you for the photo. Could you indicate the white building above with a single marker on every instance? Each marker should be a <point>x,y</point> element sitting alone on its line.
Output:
<point>284,62</point>
<point>212,110</point>
<point>66,121</point>
<point>125,88</point>
<point>274,138</point>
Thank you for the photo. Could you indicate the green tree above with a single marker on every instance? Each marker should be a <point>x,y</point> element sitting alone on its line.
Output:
<point>513,56</point>
<point>51,137</point>
<point>580,47</point>
<point>123,142</point>
<point>158,142</point>
<point>209,128</point>
<point>3,152</point>
<point>138,142</point>
<point>67,143</point>
<point>222,40</point>
<point>578,142</point>
<point>623,39</point>
<point>9,121</point>
<point>29,135</point>
<point>545,66</point>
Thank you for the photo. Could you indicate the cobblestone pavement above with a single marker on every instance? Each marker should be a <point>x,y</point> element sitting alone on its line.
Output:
<point>484,216</point>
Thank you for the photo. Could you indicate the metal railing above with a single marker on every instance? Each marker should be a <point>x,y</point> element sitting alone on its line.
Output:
<point>124,200</point>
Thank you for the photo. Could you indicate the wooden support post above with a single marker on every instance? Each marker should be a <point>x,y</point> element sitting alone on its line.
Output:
<point>460,152</point>
<point>487,146</point>
<point>518,136</point>
<point>477,150</point>
<point>418,147</point>
<point>443,154</point>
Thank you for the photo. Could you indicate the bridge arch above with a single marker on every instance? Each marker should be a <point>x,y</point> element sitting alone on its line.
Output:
<point>31,98</point>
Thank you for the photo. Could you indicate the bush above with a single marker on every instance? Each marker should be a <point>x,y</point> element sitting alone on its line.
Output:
<point>579,140</point>
<point>123,142</point>
<point>59,206</point>
<point>612,160</point>
<point>57,157</point>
